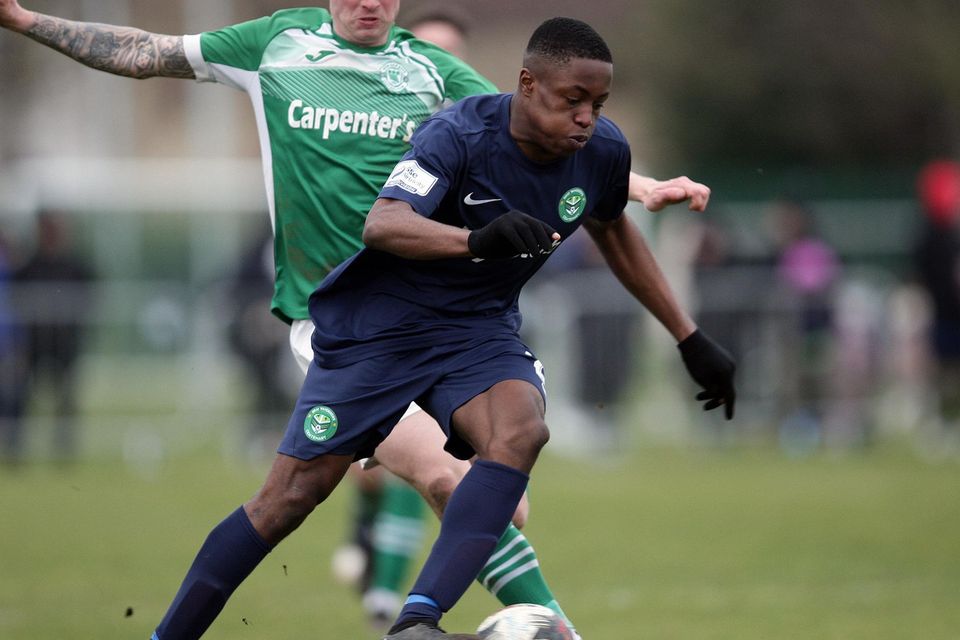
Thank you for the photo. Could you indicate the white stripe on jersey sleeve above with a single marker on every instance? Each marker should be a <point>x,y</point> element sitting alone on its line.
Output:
<point>191,47</point>
<point>223,74</point>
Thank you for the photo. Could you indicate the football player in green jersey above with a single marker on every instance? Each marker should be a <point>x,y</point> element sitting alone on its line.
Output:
<point>336,96</point>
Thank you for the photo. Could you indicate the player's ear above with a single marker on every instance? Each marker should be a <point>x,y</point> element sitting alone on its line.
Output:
<point>527,80</point>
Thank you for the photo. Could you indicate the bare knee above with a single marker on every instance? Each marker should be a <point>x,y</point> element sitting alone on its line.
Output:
<point>519,445</point>
<point>439,486</point>
<point>522,513</point>
<point>442,482</point>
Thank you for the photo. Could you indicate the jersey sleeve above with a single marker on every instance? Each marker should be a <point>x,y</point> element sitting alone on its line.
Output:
<point>461,81</point>
<point>239,47</point>
<point>614,200</point>
<point>429,169</point>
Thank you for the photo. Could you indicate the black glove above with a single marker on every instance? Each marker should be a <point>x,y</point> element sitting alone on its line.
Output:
<point>511,234</point>
<point>712,368</point>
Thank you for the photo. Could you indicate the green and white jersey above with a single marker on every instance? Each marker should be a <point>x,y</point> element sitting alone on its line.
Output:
<point>334,119</point>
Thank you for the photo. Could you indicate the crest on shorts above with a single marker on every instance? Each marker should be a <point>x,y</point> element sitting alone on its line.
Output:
<point>320,424</point>
<point>395,76</point>
<point>572,204</point>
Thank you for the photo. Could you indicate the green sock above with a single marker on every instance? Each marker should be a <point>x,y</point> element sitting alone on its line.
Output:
<point>397,535</point>
<point>513,575</point>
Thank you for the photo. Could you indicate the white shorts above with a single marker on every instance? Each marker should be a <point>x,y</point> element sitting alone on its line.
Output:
<point>300,333</point>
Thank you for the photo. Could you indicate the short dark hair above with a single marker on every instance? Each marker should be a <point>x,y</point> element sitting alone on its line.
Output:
<point>559,40</point>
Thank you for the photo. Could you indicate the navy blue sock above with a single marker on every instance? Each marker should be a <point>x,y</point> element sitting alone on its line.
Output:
<point>477,514</point>
<point>231,551</point>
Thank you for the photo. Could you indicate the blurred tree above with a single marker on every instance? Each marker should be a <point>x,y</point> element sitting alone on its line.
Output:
<point>823,82</point>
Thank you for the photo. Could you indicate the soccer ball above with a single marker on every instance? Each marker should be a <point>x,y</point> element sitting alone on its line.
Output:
<point>525,622</point>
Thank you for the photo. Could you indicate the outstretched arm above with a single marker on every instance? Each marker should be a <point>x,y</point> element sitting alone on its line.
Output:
<point>123,51</point>
<point>657,194</point>
<point>631,261</point>
<point>628,256</point>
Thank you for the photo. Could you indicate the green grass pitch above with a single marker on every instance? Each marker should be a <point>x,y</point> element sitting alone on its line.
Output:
<point>662,544</point>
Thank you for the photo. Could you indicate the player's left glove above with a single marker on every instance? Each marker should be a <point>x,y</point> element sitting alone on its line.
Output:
<point>712,367</point>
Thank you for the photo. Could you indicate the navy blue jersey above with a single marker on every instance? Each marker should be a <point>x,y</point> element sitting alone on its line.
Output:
<point>464,169</point>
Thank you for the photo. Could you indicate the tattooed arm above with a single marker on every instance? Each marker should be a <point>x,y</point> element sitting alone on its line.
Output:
<point>123,51</point>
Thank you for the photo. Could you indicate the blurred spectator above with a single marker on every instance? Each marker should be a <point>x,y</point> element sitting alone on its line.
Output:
<point>807,270</point>
<point>260,341</point>
<point>11,352</point>
<point>719,311</point>
<point>855,363</point>
<point>52,300</point>
<point>575,309</point>
<point>937,260</point>
<point>606,333</point>
<point>445,25</point>
<point>724,285</point>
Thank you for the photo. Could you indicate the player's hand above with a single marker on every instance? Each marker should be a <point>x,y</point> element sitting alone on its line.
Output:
<point>712,368</point>
<point>662,193</point>
<point>512,234</point>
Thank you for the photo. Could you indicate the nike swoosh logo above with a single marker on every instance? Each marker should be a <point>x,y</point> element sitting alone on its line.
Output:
<point>470,201</point>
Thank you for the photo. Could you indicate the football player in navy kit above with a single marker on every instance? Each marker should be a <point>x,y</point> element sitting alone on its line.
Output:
<point>428,311</point>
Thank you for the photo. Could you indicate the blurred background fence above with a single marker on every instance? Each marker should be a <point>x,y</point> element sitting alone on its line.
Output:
<point>149,201</point>
<point>176,349</point>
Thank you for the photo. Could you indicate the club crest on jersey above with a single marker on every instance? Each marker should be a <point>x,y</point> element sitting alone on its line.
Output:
<point>320,424</point>
<point>394,76</point>
<point>572,204</point>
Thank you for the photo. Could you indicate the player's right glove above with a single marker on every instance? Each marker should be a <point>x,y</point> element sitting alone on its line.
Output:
<point>511,234</point>
<point>712,367</point>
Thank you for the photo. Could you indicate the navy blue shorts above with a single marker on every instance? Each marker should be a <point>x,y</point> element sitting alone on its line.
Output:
<point>351,409</point>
